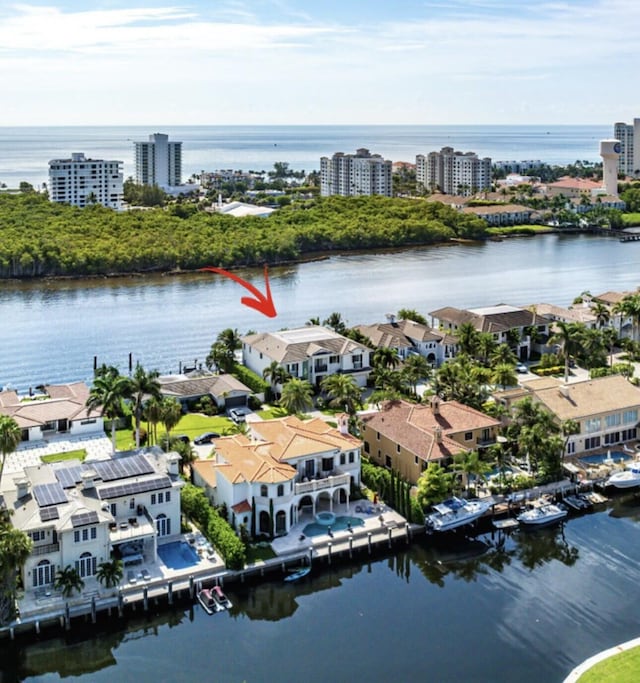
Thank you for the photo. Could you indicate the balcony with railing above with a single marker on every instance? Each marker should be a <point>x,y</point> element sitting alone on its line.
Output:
<point>45,549</point>
<point>322,483</point>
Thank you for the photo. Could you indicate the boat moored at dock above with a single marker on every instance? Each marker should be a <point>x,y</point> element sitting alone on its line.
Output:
<point>626,479</point>
<point>455,512</point>
<point>542,515</point>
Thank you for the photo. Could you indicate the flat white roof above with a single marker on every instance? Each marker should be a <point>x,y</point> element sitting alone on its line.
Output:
<point>491,310</point>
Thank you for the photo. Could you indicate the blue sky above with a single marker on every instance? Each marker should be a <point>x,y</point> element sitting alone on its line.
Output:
<point>330,62</point>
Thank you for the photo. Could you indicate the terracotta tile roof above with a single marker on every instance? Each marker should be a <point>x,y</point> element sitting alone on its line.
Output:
<point>575,184</point>
<point>612,298</point>
<point>401,334</point>
<point>497,209</point>
<point>247,461</point>
<point>242,506</point>
<point>290,346</point>
<point>216,385</point>
<point>571,314</point>
<point>414,427</point>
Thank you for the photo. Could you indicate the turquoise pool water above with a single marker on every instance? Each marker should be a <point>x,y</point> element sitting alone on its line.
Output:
<point>599,458</point>
<point>341,524</point>
<point>178,555</point>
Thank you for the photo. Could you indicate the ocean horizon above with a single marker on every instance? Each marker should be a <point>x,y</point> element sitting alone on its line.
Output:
<point>25,151</point>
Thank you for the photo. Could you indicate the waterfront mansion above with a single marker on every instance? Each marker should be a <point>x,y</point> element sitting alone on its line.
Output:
<point>81,514</point>
<point>284,470</point>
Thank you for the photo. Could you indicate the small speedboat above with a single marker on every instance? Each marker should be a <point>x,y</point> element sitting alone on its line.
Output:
<point>220,598</point>
<point>454,513</point>
<point>298,574</point>
<point>206,599</point>
<point>542,515</point>
<point>626,479</point>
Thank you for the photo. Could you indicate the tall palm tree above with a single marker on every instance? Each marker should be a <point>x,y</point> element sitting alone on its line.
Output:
<point>335,322</point>
<point>504,375</point>
<point>153,414</point>
<point>630,306</point>
<point>486,346</point>
<point>230,338</point>
<point>170,414</point>
<point>343,392</point>
<point>142,386</point>
<point>108,391</point>
<point>275,374</point>
<point>68,580</point>
<point>15,548</point>
<point>297,396</point>
<point>502,354</point>
<point>601,313</point>
<point>416,368</point>
<point>10,437</point>
<point>567,336</point>
<point>468,338</point>
<point>110,573</point>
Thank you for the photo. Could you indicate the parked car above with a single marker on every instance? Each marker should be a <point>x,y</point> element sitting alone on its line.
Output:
<point>239,414</point>
<point>522,368</point>
<point>181,437</point>
<point>205,438</point>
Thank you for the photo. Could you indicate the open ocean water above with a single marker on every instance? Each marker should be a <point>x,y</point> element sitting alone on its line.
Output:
<point>26,151</point>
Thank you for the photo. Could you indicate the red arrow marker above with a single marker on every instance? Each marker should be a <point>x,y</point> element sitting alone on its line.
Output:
<point>262,303</point>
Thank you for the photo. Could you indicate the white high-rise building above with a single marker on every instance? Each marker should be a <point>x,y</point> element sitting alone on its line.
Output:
<point>629,161</point>
<point>158,161</point>
<point>610,153</point>
<point>356,174</point>
<point>453,172</point>
<point>79,181</point>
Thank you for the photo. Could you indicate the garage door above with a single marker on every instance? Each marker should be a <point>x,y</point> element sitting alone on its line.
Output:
<point>235,401</point>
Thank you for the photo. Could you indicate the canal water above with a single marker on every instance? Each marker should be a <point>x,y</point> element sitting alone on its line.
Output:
<point>524,608</point>
<point>51,331</point>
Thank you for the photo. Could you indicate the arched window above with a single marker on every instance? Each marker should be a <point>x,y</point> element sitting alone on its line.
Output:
<point>86,565</point>
<point>163,525</point>
<point>281,522</point>
<point>264,490</point>
<point>44,574</point>
<point>265,522</point>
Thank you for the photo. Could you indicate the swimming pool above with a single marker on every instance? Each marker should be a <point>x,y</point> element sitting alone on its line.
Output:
<point>341,524</point>
<point>600,458</point>
<point>178,555</point>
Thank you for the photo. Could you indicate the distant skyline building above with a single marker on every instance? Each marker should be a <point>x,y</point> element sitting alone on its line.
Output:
<point>158,161</point>
<point>79,181</point>
<point>453,172</point>
<point>610,153</point>
<point>356,174</point>
<point>629,161</point>
<point>518,166</point>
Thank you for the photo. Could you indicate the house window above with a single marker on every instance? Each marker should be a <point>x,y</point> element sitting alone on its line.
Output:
<point>592,425</point>
<point>167,496</point>
<point>397,448</point>
<point>352,456</point>
<point>153,499</point>
<point>591,443</point>
<point>629,416</point>
<point>367,448</point>
<point>112,509</point>
<point>571,448</point>
<point>132,504</point>
<point>357,361</point>
<point>613,420</point>
<point>37,536</point>
<point>280,490</point>
<point>378,436</point>
<point>334,359</point>
<point>415,459</point>
<point>264,491</point>
<point>387,461</point>
<point>86,565</point>
<point>327,464</point>
<point>343,459</point>
<point>44,574</point>
<point>163,525</point>
<point>468,436</point>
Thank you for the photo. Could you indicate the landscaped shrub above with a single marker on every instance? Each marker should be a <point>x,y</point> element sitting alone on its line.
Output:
<point>248,377</point>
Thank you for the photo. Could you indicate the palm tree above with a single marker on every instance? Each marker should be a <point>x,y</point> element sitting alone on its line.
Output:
<point>385,357</point>
<point>68,580</point>
<point>10,437</point>
<point>275,374</point>
<point>313,321</point>
<point>502,354</point>
<point>153,413</point>
<point>170,414</point>
<point>504,375</point>
<point>15,548</point>
<point>569,428</point>
<point>297,396</point>
<point>230,338</point>
<point>470,465</point>
<point>601,313</point>
<point>335,322</point>
<point>468,338</point>
<point>107,394</point>
<point>412,314</point>
<point>567,336</point>
<point>630,306</point>
<point>343,392</point>
<point>110,573</point>
<point>486,346</point>
<point>142,386</point>
<point>221,357</point>
<point>416,368</point>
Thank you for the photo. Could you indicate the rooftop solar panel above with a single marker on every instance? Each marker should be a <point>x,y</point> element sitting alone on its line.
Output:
<point>49,494</point>
<point>123,468</point>
<point>47,514</point>
<point>134,487</point>
<point>84,518</point>
<point>68,477</point>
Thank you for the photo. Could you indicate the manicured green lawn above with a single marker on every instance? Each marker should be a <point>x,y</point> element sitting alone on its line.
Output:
<point>272,412</point>
<point>622,668</point>
<point>514,229</point>
<point>631,218</point>
<point>191,424</point>
<point>79,454</point>
<point>257,554</point>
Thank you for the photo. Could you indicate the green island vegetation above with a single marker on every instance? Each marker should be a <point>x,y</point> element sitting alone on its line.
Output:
<point>621,668</point>
<point>39,238</point>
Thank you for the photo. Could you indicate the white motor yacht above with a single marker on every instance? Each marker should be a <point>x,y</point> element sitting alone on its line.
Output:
<point>455,512</point>
<point>626,479</point>
<point>542,515</point>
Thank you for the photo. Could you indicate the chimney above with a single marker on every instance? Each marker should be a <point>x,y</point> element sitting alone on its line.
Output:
<point>391,318</point>
<point>343,423</point>
<point>172,464</point>
<point>435,404</point>
<point>88,479</point>
<point>22,487</point>
<point>438,434</point>
<point>564,390</point>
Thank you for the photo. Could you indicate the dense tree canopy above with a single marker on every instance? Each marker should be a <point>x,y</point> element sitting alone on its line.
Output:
<point>39,238</point>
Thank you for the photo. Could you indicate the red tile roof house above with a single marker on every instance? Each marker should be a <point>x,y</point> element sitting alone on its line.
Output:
<point>407,437</point>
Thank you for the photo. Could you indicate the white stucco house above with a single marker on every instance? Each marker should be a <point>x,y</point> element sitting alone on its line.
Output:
<point>82,514</point>
<point>284,471</point>
<point>312,353</point>
<point>60,409</point>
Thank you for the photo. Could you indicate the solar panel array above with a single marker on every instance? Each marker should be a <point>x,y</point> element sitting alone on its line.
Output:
<point>84,518</point>
<point>49,494</point>
<point>47,514</point>
<point>134,487</point>
<point>69,476</point>
<point>123,468</point>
